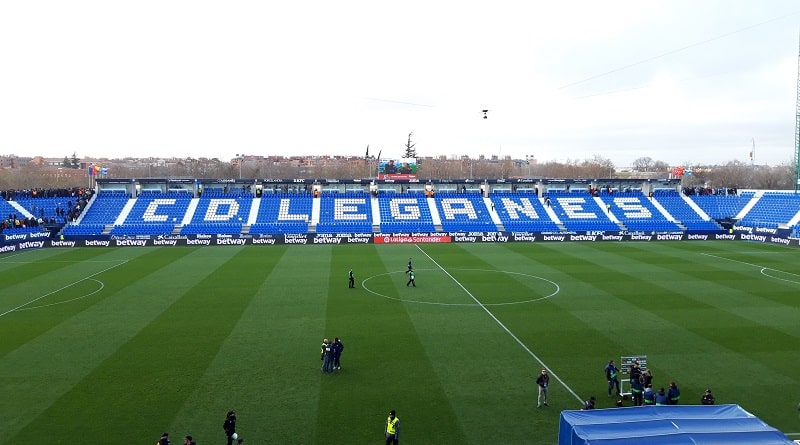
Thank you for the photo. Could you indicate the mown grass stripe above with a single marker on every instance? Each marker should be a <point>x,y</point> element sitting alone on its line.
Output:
<point>145,345</point>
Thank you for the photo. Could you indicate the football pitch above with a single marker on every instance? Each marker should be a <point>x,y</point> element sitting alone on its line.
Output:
<point>121,344</point>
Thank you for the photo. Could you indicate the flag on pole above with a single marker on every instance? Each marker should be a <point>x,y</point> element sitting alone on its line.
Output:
<point>678,171</point>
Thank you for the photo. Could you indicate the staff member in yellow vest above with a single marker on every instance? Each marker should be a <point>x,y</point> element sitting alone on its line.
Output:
<point>392,431</point>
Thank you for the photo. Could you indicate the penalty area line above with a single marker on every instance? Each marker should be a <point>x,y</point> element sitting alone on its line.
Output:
<point>88,277</point>
<point>500,323</point>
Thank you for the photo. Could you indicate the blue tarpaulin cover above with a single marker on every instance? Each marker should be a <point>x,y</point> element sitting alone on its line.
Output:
<point>673,425</point>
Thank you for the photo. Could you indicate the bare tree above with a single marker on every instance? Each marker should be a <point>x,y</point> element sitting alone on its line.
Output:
<point>643,164</point>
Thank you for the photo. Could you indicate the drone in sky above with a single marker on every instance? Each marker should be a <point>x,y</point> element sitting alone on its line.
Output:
<point>484,114</point>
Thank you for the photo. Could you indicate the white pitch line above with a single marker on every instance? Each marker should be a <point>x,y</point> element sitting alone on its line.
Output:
<point>62,288</point>
<point>500,323</point>
<point>763,268</point>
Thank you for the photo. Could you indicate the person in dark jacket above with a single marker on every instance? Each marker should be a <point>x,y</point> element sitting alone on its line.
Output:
<point>673,393</point>
<point>351,280</point>
<point>708,398</point>
<point>612,376</point>
<point>338,347</point>
<point>637,389</point>
<point>543,381</point>
<point>649,396</point>
<point>589,404</point>
<point>230,426</point>
<point>661,398</point>
<point>164,439</point>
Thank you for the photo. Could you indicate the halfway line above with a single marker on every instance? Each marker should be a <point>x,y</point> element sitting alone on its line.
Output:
<point>519,342</point>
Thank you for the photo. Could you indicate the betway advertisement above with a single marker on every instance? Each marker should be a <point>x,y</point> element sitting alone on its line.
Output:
<point>17,242</point>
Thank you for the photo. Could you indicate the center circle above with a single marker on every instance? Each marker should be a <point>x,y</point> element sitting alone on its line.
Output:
<point>556,288</point>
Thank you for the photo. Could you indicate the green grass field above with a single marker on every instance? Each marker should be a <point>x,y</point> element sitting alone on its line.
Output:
<point>107,345</point>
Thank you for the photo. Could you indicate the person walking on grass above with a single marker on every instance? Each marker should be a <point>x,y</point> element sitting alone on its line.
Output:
<point>351,280</point>
<point>411,280</point>
<point>230,426</point>
<point>612,376</point>
<point>543,381</point>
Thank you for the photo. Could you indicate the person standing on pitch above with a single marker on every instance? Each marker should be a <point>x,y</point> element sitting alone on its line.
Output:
<point>612,375</point>
<point>164,439</point>
<point>637,388</point>
<point>351,283</point>
<point>392,430</point>
<point>661,397</point>
<point>708,398</point>
<point>411,279</point>
<point>338,347</point>
<point>327,356</point>
<point>409,266</point>
<point>230,426</point>
<point>673,393</point>
<point>543,381</point>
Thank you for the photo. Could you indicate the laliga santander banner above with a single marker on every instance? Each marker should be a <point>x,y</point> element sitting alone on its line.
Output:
<point>403,168</point>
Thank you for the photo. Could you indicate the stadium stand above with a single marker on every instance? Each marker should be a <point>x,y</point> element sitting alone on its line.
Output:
<point>282,213</point>
<point>522,213</point>
<point>580,212</point>
<point>102,211</point>
<point>772,209</point>
<point>636,212</point>
<point>721,207</point>
<point>219,213</point>
<point>158,213</point>
<point>344,212</point>
<point>675,204</point>
<point>405,213</point>
<point>464,212</point>
<point>153,213</point>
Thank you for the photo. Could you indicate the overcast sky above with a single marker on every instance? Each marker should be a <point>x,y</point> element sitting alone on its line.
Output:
<point>694,81</point>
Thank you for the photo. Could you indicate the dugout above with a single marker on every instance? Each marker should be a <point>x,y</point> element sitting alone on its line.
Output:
<point>667,425</point>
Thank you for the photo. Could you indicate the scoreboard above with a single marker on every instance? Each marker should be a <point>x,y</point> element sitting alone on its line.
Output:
<point>626,363</point>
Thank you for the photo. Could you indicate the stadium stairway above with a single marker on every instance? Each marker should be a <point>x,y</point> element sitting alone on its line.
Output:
<point>696,207</point>
<point>437,219</point>
<point>123,215</point>
<point>493,214</point>
<point>376,215</point>
<point>20,210</point>
<point>752,203</point>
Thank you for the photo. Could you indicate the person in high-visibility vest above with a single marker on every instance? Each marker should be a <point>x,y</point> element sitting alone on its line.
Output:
<point>392,430</point>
